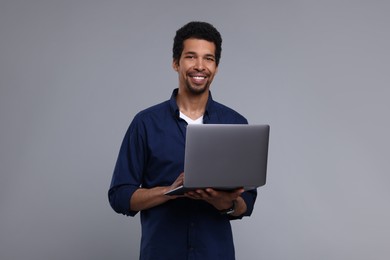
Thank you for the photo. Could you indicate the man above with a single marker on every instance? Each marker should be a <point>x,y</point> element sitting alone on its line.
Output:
<point>151,162</point>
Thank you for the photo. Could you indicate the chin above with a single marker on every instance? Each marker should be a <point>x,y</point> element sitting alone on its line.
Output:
<point>197,90</point>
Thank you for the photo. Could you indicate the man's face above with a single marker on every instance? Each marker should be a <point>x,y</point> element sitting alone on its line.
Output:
<point>196,66</point>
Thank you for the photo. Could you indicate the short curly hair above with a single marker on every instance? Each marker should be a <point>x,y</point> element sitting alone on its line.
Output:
<point>197,30</point>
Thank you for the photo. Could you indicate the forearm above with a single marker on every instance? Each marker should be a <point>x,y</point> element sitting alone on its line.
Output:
<point>240,207</point>
<point>147,198</point>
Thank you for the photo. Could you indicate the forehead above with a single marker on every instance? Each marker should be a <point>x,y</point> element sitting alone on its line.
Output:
<point>201,47</point>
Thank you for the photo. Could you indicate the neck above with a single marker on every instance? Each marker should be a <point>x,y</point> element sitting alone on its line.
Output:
<point>192,106</point>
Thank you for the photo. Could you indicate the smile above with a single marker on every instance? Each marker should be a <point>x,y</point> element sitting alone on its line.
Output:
<point>198,77</point>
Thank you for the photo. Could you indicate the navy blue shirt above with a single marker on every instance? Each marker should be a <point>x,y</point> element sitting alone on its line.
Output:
<point>152,154</point>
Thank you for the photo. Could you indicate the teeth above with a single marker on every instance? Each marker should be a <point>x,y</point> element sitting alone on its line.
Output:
<point>198,78</point>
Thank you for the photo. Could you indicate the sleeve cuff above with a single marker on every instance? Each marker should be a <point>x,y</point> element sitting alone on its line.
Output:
<point>120,200</point>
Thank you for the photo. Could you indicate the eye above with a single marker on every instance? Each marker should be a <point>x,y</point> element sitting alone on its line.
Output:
<point>210,58</point>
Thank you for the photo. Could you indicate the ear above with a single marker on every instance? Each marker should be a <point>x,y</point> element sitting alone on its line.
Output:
<point>175,65</point>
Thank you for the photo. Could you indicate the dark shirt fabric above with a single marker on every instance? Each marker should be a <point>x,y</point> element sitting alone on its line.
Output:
<point>152,154</point>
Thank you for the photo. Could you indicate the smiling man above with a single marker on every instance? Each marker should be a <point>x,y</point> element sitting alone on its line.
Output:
<point>196,66</point>
<point>151,162</point>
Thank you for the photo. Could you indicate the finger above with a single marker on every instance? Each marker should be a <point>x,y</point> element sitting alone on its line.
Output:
<point>211,192</point>
<point>200,193</point>
<point>192,195</point>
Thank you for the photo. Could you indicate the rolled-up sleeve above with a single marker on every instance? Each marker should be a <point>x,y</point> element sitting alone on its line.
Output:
<point>127,175</point>
<point>249,197</point>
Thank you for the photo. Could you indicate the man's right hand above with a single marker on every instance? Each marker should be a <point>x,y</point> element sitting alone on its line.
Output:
<point>147,198</point>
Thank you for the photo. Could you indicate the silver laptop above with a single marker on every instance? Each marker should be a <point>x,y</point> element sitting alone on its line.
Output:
<point>224,157</point>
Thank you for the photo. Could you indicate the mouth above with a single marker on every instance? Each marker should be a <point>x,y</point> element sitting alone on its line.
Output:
<point>198,78</point>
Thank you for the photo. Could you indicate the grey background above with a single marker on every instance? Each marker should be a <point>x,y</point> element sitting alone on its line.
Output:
<point>74,73</point>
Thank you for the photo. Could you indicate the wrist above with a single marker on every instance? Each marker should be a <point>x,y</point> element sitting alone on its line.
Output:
<point>231,210</point>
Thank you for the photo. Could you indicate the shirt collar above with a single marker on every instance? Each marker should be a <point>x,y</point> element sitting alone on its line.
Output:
<point>172,103</point>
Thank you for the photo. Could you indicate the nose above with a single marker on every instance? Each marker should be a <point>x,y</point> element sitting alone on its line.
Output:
<point>199,64</point>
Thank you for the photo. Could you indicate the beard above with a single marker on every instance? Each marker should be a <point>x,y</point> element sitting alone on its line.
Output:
<point>197,90</point>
